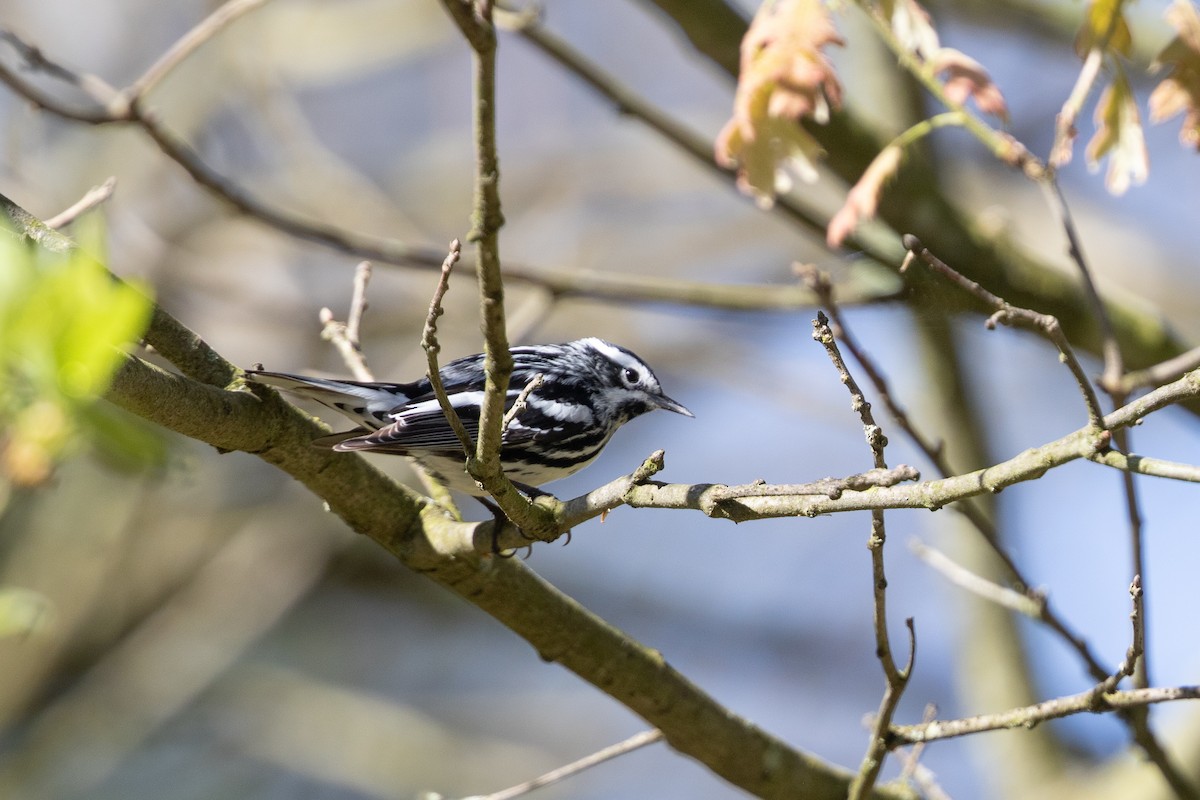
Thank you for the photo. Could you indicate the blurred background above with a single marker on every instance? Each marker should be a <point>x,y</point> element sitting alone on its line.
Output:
<point>179,656</point>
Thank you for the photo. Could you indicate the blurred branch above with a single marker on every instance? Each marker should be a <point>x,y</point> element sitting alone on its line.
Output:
<point>1143,465</point>
<point>607,286</point>
<point>71,749</point>
<point>988,590</point>
<point>213,24</point>
<point>635,742</point>
<point>92,198</point>
<point>346,336</point>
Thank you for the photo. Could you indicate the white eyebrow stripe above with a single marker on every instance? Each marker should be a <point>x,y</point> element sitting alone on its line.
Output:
<point>616,354</point>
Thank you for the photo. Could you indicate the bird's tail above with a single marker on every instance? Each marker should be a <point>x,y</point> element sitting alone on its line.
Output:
<point>367,404</point>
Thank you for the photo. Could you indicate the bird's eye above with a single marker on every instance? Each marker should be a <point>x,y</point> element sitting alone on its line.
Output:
<point>630,376</point>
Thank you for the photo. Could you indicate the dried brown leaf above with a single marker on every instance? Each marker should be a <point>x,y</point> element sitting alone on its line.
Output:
<point>863,198</point>
<point>785,77</point>
<point>965,78</point>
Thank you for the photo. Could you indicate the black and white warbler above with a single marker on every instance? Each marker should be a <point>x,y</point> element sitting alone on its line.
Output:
<point>589,389</point>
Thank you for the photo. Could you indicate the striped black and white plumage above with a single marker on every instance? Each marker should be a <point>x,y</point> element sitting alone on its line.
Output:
<point>589,389</point>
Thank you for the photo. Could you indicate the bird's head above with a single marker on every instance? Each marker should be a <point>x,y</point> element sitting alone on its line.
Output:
<point>627,386</point>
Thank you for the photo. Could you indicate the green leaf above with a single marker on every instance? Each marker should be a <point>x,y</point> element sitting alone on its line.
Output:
<point>64,322</point>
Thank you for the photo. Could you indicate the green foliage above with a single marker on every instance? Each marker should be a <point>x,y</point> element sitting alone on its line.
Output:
<point>63,323</point>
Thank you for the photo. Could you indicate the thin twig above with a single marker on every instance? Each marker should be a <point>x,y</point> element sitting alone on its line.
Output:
<point>429,344</point>
<point>537,521</point>
<point>358,302</point>
<point>519,404</point>
<point>1064,128</point>
<point>634,742</point>
<point>213,24</point>
<point>1136,648</point>
<point>829,487</point>
<point>914,771</point>
<point>1008,314</point>
<point>1111,346</point>
<point>92,198</point>
<point>896,678</point>
<point>605,286</point>
<point>346,336</point>
<point>1083,702</point>
<point>819,282</point>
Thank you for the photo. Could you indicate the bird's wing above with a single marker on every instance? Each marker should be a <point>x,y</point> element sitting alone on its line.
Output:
<point>422,427</point>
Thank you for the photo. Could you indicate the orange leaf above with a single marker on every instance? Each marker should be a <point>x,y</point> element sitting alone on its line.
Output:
<point>784,78</point>
<point>965,78</point>
<point>863,199</point>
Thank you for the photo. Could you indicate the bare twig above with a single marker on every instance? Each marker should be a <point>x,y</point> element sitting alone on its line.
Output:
<point>916,772</point>
<point>896,677</point>
<point>92,198</point>
<point>1007,314</point>
<point>1064,128</point>
<point>429,344</point>
<point>634,742</point>
<point>1110,381</point>
<point>1136,648</point>
<point>1111,347</point>
<point>829,487</point>
<point>358,302</point>
<point>474,20</point>
<point>346,336</point>
<point>519,404</point>
<point>1084,702</point>
<point>213,24</point>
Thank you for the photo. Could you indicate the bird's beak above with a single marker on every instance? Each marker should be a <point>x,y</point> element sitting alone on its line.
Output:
<point>670,405</point>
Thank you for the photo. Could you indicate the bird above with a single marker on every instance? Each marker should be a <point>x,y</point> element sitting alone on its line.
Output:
<point>589,389</point>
